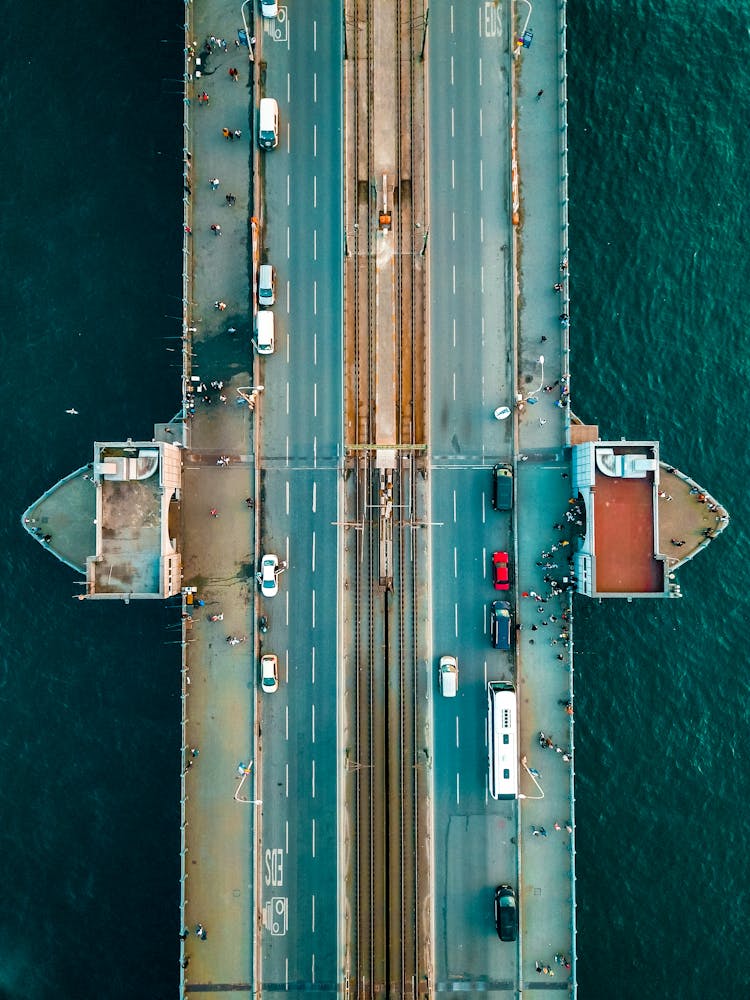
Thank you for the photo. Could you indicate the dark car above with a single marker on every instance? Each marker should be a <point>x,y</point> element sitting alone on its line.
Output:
<point>501,622</point>
<point>506,913</point>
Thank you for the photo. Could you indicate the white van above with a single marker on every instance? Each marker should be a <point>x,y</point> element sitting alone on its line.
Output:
<point>268,123</point>
<point>264,341</point>
<point>448,676</point>
<point>266,285</point>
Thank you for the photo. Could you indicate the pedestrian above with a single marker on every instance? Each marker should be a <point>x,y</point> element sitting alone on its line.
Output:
<point>188,230</point>
<point>214,512</point>
<point>230,199</point>
<point>542,832</point>
<point>194,751</point>
<point>534,628</point>
<point>544,340</point>
<point>560,656</point>
<point>238,133</point>
<point>539,95</point>
<point>216,228</point>
<point>542,421</point>
<point>534,832</point>
<point>568,827</point>
<point>214,182</point>
<point>234,73</point>
<point>250,502</point>
<point>558,286</point>
<point>226,133</point>
<point>557,826</point>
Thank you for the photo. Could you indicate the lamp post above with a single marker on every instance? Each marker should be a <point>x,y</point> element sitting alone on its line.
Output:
<point>532,395</point>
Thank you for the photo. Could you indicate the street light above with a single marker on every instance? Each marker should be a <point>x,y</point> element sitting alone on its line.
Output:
<point>532,395</point>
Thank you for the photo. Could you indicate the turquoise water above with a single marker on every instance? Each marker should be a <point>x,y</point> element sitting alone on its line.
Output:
<point>89,699</point>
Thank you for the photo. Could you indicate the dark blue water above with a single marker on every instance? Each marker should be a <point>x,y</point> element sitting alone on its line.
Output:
<point>90,232</point>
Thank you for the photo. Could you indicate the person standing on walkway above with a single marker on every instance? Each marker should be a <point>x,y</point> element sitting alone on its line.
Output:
<point>216,228</point>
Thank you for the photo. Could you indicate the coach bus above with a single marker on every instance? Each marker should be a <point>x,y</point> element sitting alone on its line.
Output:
<point>502,740</point>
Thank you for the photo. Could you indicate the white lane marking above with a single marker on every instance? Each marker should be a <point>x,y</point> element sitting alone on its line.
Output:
<point>481,175</point>
<point>451,18</point>
<point>315,191</point>
<point>315,140</point>
<point>481,273</point>
<point>458,787</point>
<point>315,36</point>
<point>315,348</point>
<point>313,722</point>
<point>454,331</point>
<point>288,242</point>
<point>313,838</point>
<point>455,619</point>
<point>485,673</point>
<point>288,296</point>
<point>288,347</point>
<point>286,973</point>
<point>481,126</point>
<point>288,189</point>
<point>315,452</point>
<point>313,609</point>
<point>312,668</point>
<point>480,72</point>
<point>454,387</point>
<point>455,507</point>
<point>312,968</point>
<point>458,741</point>
<point>481,230</point>
<point>312,783</point>
<point>286,595</point>
<point>286,723</point>
<point>286,780</point>
<point>286,667</point>
<point>453,225</point>
<point>484,509</point>
<point>313,913</point>
<point>286,834</point>
<point>313,552</point>
<point>314,497</point>
<point>484,563</point>
<point>315,244</point>
<point>483,337</point>
<point>453,123</point>
<point>315,399</point>
<point>288,136</point>
<point>289,88</point>
<point>453,173</point>
<point>455,561</point>
<point>287,498</point>
<point>287,449</point>
<point>287,398</point>
<point>452,80</point>
<point>454,279</point>
<point>315,88</point>
<point>315,298</point>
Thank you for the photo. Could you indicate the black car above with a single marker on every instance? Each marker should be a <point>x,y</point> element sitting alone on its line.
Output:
<point>501,621</point>
<point>506,913</point>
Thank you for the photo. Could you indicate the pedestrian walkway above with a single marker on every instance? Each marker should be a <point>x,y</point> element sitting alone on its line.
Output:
<point>220,822</point>
<point>543,495</point>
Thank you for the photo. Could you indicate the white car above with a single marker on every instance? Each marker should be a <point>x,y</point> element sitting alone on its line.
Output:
<point>269,672</point>
<point>269,8</point>
<point>267,576</point>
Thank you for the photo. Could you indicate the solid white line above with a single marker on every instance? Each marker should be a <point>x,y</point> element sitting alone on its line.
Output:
<point>313,722</point>
<point>454,387</point>
<point>315,191</point>
<point>480,72</point>
<point>289,88</point>
<point>313,838</point>
<point>286,780</point>
<point>313,609</point>
<point>455,618</point>
<point>287,398</point>
<point>315,140</point>
<point>315,36</point>
<point>286,834</point>
<point>481,175</point>
<point>453,124</point>
<point>315,88</point>
<point>286,723</point>
<point>452,80</point>
<point>315,452</point>
<point>482,338</point>
<point>481,272</point>
<point>452,18</point>
<point>453,173</point>
<point>315,244</point>
<point>312,785</point>
<point>453,224</point>
<point>313,552</point>
<point>481,132</point>
<point>287,449</point>
<point>458,741</point>
<point>454,331</point>
<point>312,668</point>
<point>288,242</point>
<point>315,399</point>
<point>288,137</point>
<point>314,496</point>
<point>288,189</point>
<point>288,297</point>
<point>455,507</point>
<point>484,509</point>
<point>313,913</point>
<point>481,230</point>
<point>312,969</point>
<point>455,561</point>
<point>458,787</point>
<point>315,298</point>
<point>484,563</point>
<point>286,973</point>
<point>287,498</point>
<point>454,279</point>
<point>315,348</point>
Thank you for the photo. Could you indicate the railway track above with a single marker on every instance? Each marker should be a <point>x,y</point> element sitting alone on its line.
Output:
<point>387,926</point>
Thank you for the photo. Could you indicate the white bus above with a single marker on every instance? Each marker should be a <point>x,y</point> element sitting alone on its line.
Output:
<point>502,740</point>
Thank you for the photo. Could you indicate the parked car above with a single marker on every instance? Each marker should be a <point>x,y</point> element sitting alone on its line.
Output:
<point>269,672</point>
<point>501,622</point>
<point>448,676</point>
<point>506,913</point>
<point>267,575</point>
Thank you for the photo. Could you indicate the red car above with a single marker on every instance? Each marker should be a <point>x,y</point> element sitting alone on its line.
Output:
<point>500,570</point>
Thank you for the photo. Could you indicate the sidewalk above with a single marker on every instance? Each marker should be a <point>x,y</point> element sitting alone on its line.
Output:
<point>544,654</point>
<point>218,683</point>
